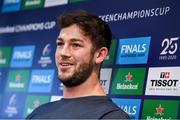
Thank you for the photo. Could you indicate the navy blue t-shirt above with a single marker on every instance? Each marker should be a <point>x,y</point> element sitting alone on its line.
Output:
<point>91,107</point>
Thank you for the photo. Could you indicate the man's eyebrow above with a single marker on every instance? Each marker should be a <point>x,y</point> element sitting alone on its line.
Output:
<point>71,40</point>
<point>76,40</point>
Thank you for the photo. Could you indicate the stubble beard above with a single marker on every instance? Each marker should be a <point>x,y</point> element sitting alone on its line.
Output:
<point>80,75</point>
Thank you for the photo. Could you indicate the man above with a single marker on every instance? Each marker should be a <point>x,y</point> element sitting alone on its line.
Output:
<point>82,45</point>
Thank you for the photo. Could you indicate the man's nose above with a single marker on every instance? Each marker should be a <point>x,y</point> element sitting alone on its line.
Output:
<point>65,51</point>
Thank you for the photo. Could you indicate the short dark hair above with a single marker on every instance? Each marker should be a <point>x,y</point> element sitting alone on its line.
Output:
<point>92,26</point>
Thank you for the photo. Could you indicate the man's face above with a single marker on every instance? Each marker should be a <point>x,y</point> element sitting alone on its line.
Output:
<point>74,56</point>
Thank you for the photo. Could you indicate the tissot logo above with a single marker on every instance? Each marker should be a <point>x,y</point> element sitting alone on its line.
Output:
<point>22,56</point>
<point>160,109</point>
<point>105,76</point>
<point>163,81</point>
<point>165,75</point>
<point>133,50</point>
<point>41,80</point>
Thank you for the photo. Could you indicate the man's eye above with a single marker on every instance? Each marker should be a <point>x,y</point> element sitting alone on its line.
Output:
<point>76,45</point>
<point>60,43</point>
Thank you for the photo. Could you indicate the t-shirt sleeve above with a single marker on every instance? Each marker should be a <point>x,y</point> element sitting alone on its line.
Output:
<point>116,114</point>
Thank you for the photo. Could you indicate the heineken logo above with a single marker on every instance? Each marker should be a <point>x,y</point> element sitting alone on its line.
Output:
<point>159,110</point>
<point>128,81</point>
<point>127,86</point>
<point>128,77</point>
<point>4,56</point>
<point>1,55</point>
<point>33,102</point>
<point>36,103</point>
<point>18,78</point>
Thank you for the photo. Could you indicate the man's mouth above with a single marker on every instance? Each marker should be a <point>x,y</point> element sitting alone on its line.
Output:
<point>65,65</point>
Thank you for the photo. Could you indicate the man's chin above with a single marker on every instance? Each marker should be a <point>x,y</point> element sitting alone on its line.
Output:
<point>64,79</point>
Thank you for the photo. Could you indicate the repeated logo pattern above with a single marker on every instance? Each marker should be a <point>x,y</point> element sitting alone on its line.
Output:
<point>141,72</point>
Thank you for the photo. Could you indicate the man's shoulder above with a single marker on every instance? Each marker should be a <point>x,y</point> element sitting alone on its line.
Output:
<point>42,108</point>
<point>116,114</point>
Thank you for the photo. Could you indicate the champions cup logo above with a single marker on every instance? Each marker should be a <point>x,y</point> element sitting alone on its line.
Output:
<point>11,108</point>
<point>12,100</point>
<point>46,50</point>
<point>45,59</point>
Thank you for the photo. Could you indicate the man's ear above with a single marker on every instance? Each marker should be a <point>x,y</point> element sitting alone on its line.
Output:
<point>100,55</point>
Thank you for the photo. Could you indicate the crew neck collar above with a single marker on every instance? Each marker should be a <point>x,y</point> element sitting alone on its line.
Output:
<point>86,97</point>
